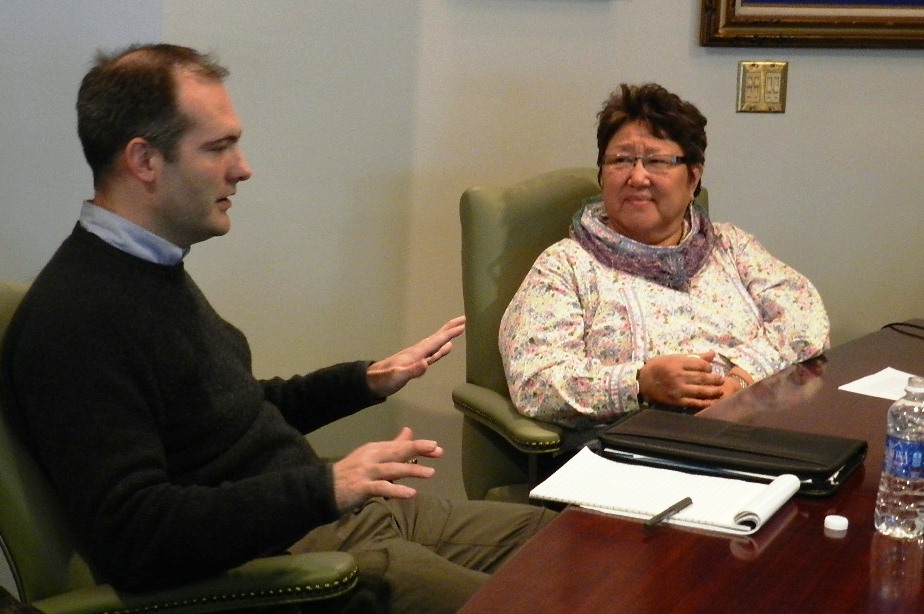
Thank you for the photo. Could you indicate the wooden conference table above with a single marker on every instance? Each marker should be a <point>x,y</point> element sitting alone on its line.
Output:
<point>590,562</point>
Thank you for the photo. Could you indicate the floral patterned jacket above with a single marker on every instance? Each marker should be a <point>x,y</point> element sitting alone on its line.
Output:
<point>577,331</point>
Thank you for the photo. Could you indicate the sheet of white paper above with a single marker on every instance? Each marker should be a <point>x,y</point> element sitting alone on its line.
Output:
<point>886,384</point>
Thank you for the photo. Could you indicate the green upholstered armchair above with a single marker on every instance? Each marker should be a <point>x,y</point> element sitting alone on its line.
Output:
<point>504,229</point>
<point>51,576</point>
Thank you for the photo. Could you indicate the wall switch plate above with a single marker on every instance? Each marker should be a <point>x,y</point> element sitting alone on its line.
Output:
<point>762,87</point>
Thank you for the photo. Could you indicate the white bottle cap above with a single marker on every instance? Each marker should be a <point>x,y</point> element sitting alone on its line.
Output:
<point>836,524</point>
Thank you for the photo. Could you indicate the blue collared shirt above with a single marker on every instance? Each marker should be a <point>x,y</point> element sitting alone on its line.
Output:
<point>128,236</point>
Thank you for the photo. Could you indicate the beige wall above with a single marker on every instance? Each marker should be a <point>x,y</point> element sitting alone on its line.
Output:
<point>365,120</point>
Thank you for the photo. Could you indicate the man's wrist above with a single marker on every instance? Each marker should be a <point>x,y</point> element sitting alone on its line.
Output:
<point>374,380</point>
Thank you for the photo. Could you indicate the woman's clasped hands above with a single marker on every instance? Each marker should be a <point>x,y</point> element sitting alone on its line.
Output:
<point>687,380</point>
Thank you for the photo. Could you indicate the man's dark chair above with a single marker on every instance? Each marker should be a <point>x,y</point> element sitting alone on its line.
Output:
<point>504,229</point>
<point>51,576</point>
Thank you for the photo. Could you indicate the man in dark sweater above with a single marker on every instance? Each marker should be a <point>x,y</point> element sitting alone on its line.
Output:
<point>171,460</point>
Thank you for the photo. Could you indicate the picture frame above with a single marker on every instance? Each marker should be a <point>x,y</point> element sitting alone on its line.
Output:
<point>813,23</point>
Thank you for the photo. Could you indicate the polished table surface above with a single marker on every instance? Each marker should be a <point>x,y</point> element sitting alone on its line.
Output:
<point>591,562</point>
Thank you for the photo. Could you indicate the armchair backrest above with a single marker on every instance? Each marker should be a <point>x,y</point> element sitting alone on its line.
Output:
<point>34,537</point>
<point>504,229</point>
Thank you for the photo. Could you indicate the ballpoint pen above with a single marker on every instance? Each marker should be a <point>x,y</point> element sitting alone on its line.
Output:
<point>662,516</point>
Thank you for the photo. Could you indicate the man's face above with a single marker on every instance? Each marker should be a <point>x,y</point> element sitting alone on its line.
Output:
<point>193,191</point>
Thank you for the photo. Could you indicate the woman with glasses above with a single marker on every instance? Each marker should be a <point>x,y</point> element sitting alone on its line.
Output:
<point>648,301</point>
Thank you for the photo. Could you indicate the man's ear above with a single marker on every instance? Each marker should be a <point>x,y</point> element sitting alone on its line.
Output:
<point>142,160</point>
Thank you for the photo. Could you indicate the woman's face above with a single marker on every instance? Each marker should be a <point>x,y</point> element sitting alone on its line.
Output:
<point>646,204</point>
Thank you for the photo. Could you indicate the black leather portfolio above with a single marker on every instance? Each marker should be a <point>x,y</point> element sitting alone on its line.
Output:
<point>716,447</point>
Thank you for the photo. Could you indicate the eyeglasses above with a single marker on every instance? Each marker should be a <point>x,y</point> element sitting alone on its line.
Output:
<point>656,163</point>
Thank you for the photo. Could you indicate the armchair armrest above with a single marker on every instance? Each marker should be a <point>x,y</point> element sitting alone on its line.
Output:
<point>265,582</point>
<point>498,412</point>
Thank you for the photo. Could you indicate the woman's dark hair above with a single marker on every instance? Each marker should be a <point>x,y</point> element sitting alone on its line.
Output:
<point>132,94</point>
<point>667,116</point>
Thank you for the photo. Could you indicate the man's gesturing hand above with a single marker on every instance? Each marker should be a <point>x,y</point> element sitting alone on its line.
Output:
<point>370,470</point>
<point>388,376</point>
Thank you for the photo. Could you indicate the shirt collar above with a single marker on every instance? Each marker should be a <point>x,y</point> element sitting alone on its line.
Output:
<point>128,236</point>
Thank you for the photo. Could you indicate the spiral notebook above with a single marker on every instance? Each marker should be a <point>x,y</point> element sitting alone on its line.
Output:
<point>637,491</point>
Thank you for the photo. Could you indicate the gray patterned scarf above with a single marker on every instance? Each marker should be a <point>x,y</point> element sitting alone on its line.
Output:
<point>672,267</point>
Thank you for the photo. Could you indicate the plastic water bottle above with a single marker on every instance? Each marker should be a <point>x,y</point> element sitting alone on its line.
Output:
<point>900,504</point>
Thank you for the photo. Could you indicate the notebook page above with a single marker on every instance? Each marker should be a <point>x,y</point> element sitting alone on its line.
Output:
<point>776,493</point>
<point>638,491</point>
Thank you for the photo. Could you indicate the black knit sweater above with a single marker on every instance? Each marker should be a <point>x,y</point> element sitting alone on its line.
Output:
<point>171,460</point>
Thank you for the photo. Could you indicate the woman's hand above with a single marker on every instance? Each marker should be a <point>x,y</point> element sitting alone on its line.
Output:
<point>736,379</point>
<point>683,380</point>
<point>687,380</point>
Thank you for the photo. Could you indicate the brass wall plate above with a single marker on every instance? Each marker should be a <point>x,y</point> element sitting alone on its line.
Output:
<point>762,87</point>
